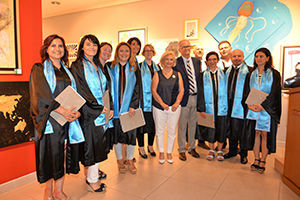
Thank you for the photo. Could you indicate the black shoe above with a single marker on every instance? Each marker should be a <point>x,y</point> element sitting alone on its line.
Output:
<point>244,160</point>
<point>182,156</point>
<point>229,155</point>
<point>143,155</point>
<point>102,175</point>
<point>102,187</point>
<point>194,153</point>
<point>203,145</point>
<point>152,153</point>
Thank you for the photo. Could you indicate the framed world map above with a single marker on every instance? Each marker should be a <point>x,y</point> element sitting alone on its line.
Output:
<point>15,123</point>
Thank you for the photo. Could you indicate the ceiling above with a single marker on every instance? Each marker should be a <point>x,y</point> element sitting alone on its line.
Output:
<point>70,6</point>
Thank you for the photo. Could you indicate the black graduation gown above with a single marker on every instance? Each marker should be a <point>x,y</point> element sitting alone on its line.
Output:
<point>210,134</point>
<point>272,106</point>
<point>96,146</point>
<point>49,147</point>
<point>118,135</point>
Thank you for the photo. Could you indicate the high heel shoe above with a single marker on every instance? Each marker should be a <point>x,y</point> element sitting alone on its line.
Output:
<point>152,153</point>
<point>142,153</point>
<point>254,166</point>
<point>121,166</point>
<point>102,175</point>
<point>132,167</point>
<point>260,169</point>
<point>102,188</point>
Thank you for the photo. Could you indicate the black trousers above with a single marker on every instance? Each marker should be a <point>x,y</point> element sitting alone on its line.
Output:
<point>148,128</point>
<point>235,133</point>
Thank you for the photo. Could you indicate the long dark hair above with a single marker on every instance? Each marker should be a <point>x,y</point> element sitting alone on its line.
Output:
<point>137,40</point>
<point>47,42</point>
<point>269,63</point>
<point>80,54</point>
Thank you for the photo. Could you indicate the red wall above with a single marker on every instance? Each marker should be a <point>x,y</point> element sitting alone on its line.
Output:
<point>19,160</point>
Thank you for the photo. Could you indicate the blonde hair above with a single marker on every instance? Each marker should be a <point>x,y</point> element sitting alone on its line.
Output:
<point>131,59</point>
<point>163,57</point>
<point>151,47</point>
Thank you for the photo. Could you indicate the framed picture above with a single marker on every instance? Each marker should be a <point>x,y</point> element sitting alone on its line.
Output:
<point>191,29</point>
<point>9,37</point>
<point>72,49</point>
<point>140,33</point>
<point>291,57</point>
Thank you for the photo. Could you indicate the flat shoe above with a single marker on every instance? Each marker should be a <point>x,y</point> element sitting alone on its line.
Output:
<point>161,161</point>
<point>170,161</point>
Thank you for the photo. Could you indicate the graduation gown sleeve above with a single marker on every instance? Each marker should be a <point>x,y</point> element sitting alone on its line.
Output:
<point>41,99</point>
<point>200,95</point>
<point>135,99</point>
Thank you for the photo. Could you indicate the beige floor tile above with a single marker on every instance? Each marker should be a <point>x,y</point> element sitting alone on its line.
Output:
<point>286,193</point>
<point>181,190</point>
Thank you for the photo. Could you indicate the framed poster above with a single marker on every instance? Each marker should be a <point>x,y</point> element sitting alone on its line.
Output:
<point>291,57</point>
<point>9,37</point>
<point>72,49</point>
<point>15,121</point>
<point>191,29</point>
<point>140,33</point>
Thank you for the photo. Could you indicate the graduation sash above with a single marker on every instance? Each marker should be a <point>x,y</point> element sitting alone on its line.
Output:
<point>146,81</point>
<point>75,132</point>
<point>209,94</point>
<point>237,107</point>
<point>96,81</point>
<point>263,119</point>
<point>130,81</point>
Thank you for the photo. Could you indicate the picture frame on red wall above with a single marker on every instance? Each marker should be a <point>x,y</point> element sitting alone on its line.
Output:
<point>9,37</point>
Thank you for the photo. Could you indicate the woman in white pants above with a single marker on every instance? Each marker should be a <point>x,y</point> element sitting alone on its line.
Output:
<point>167,90</point>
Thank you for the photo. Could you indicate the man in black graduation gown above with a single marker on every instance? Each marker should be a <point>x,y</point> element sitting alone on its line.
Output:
<point>236,75</point>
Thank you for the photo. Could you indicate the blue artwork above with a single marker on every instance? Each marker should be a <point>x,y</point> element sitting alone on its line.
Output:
<point>249,25</point>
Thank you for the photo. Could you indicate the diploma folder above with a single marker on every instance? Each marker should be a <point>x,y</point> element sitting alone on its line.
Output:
<point>106,104</point>
<point>130,123</point>
<point>67,98</point>
<point>256,97</point>
<point>207,122</point>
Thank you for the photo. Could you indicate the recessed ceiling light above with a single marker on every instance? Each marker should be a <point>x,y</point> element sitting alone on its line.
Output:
<point>55,3</point>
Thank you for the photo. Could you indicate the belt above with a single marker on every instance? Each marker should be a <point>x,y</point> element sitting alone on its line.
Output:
<point>193,94</point>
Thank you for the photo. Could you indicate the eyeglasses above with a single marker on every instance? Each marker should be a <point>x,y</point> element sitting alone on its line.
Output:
<point>185,47</point>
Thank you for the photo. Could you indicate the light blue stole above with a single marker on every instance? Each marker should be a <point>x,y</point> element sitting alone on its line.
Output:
<point>263,119</point>
<point>237,107</point>
<point>96,81</point>
<point>146,81</point>
<point>209,94</point>
<point>130,81</point>
<point>75,132</point>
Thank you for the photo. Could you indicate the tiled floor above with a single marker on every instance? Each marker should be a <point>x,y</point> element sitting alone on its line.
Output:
<point>193,179</point>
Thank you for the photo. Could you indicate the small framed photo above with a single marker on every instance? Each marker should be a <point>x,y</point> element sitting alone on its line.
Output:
<point>191,29</point>
<point>72,49</point>
<point>140,33</point>
<point>291,57</point>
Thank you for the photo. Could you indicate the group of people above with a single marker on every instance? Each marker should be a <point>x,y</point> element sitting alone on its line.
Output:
<point>169,93</point>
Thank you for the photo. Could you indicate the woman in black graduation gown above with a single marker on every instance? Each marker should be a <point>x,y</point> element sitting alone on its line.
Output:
<point>212,99</point>
<point>125,81</point>
<point>261,120</point>
<point>47,80</point>
<point>92,82</point>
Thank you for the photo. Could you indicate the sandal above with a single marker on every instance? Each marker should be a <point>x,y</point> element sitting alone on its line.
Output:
<point>254,166</point>
<point>220,156</point>
<point>102,175</point>
<point>102,188</point>
<point>260,169</point>
<point>211,155</point>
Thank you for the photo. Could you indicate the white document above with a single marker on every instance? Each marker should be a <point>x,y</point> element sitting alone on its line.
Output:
<point>208,121</point>
<point>130,123</point>
<point>256,97</point>
<point>67,98</point>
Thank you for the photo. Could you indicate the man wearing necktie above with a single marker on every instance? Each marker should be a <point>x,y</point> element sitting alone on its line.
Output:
<point>236,75</point>
<point>190,70</point>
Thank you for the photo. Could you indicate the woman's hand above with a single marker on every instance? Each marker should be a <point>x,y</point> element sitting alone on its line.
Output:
<point>105,110</point>
<point>131,112</point>
<point>165,106</point>
<point>203,115</point>
<point>111,114</point>
<point>259,107</point>
<point>255,108</point>
<point>174,107</point>
<point>76,115</point>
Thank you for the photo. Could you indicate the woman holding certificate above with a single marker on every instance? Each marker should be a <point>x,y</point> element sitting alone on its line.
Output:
<point>92,82</point>
<point>167,90</point>
<point>212,99</point>
<point>53,150</point>
<point>263,118</point>
<point>126,99</point>
<point>148,68</point>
